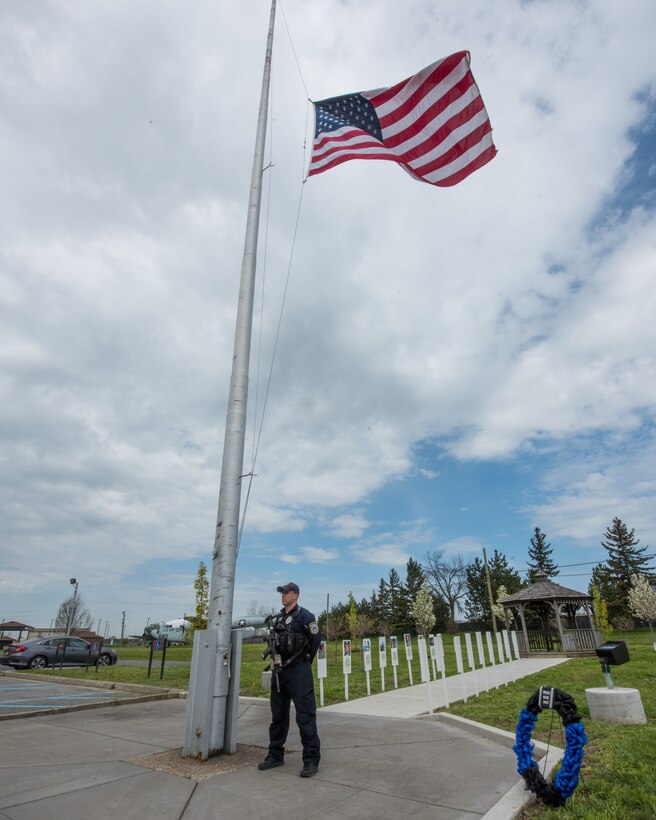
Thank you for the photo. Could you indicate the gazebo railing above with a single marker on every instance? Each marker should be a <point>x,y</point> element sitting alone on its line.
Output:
<point>574,641</point>
<point>581,640</point>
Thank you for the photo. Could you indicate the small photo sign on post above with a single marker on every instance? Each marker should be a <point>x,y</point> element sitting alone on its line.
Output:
<point>382,660</point>
<point>346,664</point>
<point>432,649</point>
<point>407,642</point>
<point>366,652</point>
<point>394,655</point>
<point>322,668</point>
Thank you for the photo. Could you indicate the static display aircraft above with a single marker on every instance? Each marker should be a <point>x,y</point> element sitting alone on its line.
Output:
<point>175,629</point>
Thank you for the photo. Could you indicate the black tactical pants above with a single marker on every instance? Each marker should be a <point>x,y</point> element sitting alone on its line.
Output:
<point>296,685</point>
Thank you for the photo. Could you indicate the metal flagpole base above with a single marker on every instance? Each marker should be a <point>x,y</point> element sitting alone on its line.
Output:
<point>201,691</point>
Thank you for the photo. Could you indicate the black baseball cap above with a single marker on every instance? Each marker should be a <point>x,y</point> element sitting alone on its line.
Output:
<point>289,587</point>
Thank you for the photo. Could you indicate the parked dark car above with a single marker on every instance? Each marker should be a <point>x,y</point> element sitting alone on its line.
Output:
<point>61,650</point>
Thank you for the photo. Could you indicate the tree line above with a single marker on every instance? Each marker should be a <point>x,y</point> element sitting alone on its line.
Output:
<point>457,586</point>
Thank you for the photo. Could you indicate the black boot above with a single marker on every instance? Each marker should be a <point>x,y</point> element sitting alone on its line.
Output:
<point>270,762</point>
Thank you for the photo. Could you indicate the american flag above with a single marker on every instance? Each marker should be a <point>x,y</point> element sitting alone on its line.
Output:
<point>434,125</point>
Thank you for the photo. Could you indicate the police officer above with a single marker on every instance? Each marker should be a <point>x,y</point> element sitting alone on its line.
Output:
<point>296,639</point>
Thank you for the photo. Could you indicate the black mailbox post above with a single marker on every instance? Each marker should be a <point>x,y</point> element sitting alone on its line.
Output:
<point>611,653</point>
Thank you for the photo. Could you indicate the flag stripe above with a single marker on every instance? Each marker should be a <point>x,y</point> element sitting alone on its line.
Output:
<point>434,124</point>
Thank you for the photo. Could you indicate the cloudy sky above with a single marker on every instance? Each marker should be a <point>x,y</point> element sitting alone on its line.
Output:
<point>455,366</point>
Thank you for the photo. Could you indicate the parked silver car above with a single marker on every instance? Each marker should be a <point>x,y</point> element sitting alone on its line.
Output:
<point>60,650</point>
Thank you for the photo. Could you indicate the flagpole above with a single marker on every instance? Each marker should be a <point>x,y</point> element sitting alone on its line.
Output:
<point>224,557</point>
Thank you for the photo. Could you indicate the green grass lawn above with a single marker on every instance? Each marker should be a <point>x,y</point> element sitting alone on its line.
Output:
<point>619,769</point>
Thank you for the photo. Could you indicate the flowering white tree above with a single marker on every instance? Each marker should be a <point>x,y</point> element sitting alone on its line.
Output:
<point>642,600</point>
<point>497,609</point>
<point>422,610</point>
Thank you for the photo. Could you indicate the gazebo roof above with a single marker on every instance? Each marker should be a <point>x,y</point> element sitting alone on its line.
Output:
<point>544,590</point>
<point>14,626</point>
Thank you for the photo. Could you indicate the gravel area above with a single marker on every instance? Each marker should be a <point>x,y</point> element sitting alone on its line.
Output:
<point>172,762</point>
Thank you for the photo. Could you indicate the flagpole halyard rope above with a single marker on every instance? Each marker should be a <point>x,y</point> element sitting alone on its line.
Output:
<point>273,358</point>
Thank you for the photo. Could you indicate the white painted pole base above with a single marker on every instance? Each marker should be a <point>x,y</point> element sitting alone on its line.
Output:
<point>615,705</point>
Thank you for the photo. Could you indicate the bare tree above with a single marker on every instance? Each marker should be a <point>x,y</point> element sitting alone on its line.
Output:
<point>80,617</point>
<point>335,629</point>
<point>257,608</point>
<point>447,577</point>
<point>364,626</point>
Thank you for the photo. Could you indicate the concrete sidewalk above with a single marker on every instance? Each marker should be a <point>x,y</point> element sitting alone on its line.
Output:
<point>413,701</point>
<point>91,764</point>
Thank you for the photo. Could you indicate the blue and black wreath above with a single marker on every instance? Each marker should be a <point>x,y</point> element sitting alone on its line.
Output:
<point>566,780</point>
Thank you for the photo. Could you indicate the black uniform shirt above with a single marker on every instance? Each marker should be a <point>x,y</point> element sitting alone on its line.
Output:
<point>305,623</point>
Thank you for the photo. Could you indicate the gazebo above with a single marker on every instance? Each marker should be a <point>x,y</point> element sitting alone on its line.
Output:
<point>15,626</point>
<point>547,614</point>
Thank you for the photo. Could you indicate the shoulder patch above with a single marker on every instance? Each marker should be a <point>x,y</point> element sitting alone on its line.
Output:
<point>313,627</point>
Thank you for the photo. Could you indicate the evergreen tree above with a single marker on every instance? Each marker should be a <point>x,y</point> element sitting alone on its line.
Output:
<point>540,557</point>
<point>414,578</point>
<point>477,607</point>
<point>625,559</point>
<point>441,612</point>
<point>502,574</point>
<point>383,611</point>
<point>352,617</point>
<point>395,592</point>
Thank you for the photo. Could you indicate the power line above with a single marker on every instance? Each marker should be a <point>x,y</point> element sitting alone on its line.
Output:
<point>585,564</point>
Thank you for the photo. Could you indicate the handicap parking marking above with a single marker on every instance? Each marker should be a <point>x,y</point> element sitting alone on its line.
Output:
<point>32,696</point>
<point>37,703</point>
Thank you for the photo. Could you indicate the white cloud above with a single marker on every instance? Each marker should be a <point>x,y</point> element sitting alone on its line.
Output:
<point>348,526</point>
<point>464,545</point>
<point>394,548</point>
<point>318,555</point>
<point>386,555</point>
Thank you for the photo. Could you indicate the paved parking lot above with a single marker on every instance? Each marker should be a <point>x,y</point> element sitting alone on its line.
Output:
<point>29,696</point>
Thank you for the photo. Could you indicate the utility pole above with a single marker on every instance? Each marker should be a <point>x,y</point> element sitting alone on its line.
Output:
<point>489,592</point>
<point>98,630</point>
<point>123,627</point>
